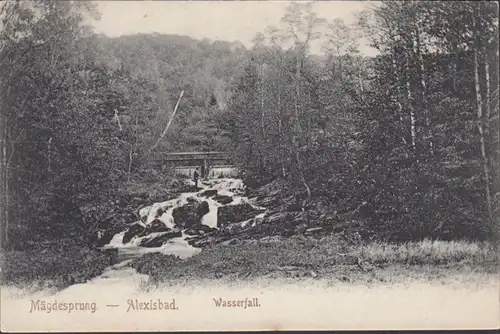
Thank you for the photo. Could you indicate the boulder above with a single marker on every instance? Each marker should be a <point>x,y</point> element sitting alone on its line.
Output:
<point>223,199</point>
<point>191,200</point>
<point>235,213</point>
<point>203,208</point>
<point>159,212</point>
<point>158,240</point>
<point>199,229</point>
<point>238,191</point>
<point>192,231</point>
<point>191,238</point>
<point>190,215</point>
<point>208,193</point>
<point>155,226</point>
<point>234,229</point>
<point>134,230</point>
<point>206,229</point>
<point>199,243</point>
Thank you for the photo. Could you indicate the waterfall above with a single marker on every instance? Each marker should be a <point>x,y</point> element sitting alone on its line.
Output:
<point>178,245</point>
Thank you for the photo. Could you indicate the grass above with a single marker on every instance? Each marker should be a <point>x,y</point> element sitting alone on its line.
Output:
<point>51,267</point>
<point>427,252</point>
<point>292,258</point>
<point>330,256</point>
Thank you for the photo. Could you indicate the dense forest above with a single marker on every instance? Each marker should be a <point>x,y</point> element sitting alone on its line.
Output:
<point>405,143</point>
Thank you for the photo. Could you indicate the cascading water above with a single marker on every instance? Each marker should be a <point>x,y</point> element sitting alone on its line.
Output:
<point>128,278</point>
<point>214,172</point>
<point>178,246</point>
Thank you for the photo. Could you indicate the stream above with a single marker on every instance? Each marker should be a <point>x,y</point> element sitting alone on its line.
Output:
<point>124,280</point>
<point>122,274</point>
<point>303,305</point>
<point>178,246</point>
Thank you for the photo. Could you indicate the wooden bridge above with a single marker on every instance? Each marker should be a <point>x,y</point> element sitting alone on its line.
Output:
<point>202,160</point>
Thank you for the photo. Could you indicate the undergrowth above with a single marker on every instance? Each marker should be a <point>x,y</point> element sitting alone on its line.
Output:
<point>263,257</point>
<point>54,267</point>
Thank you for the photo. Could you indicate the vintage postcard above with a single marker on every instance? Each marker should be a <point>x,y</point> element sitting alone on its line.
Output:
<point>249,165</point>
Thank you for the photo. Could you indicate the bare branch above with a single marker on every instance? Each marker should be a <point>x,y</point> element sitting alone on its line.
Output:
<point>168,124</point>
<point>117,118</point>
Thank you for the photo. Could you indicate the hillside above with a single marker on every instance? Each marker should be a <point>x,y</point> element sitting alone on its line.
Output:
<point>167,64</point>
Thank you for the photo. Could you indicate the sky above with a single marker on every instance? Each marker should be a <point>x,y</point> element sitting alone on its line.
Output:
<point>215,20</point>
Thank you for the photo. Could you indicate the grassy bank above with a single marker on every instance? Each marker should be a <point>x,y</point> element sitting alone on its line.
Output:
<point>53,267</point>
<point>301,257</point>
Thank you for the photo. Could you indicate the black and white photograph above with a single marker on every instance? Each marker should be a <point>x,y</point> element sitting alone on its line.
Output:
<point>249,165</point>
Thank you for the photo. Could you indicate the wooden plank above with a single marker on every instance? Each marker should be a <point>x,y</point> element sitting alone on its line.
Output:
<point>189,153</point>
<point>183,156</point>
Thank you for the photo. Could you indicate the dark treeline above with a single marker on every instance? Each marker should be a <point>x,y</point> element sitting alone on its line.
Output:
<point>406,142</point>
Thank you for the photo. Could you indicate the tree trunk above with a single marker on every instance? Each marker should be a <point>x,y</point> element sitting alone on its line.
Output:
<point>454,69</point>
<point>297,126</point>
<point>488,99</point>
<point>301,175</point>
<point>480,123</point>
<point>168,124</point>
<point>361,83</point>
<point>480,118</point>
<point>398,103</point>
<point>130,155</point>
<point>3,181</point>
<point>280,128</point>
<point>412,117</point>
<point>133,148</point>
<point>428,130</point>
<point>262,124</point>
<point>7,199</point>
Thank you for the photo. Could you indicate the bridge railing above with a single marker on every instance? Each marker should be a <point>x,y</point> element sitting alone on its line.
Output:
<point>186,162</point>
<point>196,156</point>
<point>212,172</point>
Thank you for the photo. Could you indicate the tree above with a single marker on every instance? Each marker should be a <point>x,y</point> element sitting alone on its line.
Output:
<point>418,42</point>
<point>54,104</point>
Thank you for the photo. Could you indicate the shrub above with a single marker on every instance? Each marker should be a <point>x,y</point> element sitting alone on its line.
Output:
<point>59,267</point>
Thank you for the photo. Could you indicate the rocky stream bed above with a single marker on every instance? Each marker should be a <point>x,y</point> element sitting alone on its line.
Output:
<point>220,211</point>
